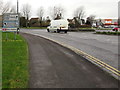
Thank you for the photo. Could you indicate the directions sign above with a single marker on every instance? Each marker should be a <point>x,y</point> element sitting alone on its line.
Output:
<point>10,22</point>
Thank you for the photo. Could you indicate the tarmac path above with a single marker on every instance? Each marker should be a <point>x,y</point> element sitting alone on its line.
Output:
<point>53,66</point>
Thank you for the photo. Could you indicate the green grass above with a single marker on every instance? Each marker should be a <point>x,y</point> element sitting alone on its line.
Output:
<point>104,29</point>
<point>108,33</point>
<point>35,28</point>
<point>0,60</point>
<point>87,28</point>
<point>14,62</point>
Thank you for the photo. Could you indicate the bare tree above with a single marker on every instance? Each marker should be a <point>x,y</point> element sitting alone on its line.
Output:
<point>26,12</point>
<point>13,9</point>
<point>4,7</point>
<point>91,19</point>
<point>40,13</point>
<point>79,14</point>
<point>57,12</point>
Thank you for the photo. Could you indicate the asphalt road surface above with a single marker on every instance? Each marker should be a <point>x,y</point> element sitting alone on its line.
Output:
<point>53,66</point>
<point>103,47</point>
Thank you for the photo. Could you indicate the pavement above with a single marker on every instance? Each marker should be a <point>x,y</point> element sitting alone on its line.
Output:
<point>54,66</point>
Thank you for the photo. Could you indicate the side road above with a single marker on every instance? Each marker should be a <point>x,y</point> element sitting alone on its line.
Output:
<point>53,66</point>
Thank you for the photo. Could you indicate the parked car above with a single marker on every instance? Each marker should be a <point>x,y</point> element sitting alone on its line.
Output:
<point>58,26</point>
<point>116,29</point>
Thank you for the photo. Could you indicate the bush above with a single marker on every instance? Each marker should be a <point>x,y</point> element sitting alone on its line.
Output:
<point>85,26</point>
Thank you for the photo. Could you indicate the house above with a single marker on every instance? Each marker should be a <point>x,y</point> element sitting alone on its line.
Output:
<point>34,22</point>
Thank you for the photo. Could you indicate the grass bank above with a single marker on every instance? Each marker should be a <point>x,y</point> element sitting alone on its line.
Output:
<point>34,28</point>
<point>108,33</point>
<point>14,62</point>
<point>82,29</point>
<point>104,28</point>
<point>0,60</point>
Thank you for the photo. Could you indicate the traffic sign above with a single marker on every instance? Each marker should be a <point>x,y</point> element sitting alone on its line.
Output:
<point>10,22</point>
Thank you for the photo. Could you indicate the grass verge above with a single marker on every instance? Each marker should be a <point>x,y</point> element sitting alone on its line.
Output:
<point>0,60</point>
<point>108,33</point>
<point>34,28</point>
<point>14,62</point>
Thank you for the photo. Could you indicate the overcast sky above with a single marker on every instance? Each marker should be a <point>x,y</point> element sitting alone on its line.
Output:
<point>100,8</point>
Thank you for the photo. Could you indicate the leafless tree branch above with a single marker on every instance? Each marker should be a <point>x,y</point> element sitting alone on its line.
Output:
<point>40,13</point>
<point>57,12</point>
<point>4,7</point>
<point>79,12</point>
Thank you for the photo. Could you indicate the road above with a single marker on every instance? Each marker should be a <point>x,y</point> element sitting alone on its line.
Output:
<point>103,47</point>
<point>53,66</point>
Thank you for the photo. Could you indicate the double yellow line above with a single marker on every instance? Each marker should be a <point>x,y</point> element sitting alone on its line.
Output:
<point>95,60</point>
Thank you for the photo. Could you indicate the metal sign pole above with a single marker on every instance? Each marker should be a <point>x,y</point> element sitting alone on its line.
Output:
<point>14,35</point>
<point>6,36</point>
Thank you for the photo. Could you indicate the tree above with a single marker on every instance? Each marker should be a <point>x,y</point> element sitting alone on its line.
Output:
<point>57,12</point>
<point>48,21</point>
<point>13,9</point>
<point>119,21</point>
<point>79,14</point>
<point>90,20</point>
<point>40,13</point>
<point>4,7</point>
<point>22,22</point>
<point>26,12</point>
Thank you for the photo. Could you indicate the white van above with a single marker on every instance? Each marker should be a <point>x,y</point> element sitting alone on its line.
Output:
<point>58,26</point>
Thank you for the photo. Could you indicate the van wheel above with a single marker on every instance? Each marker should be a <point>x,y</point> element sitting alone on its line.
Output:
<point>65,31</point>
<point>58,30</point>
<point>48,30</point>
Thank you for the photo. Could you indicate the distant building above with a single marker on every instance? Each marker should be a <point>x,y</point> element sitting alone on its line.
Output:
<point>108,22</point>
<point>0,20</point>
<point>34,22</point>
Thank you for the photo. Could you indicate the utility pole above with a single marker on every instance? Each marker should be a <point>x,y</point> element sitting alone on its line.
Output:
<point>18,15</point>
<point>17,6</point>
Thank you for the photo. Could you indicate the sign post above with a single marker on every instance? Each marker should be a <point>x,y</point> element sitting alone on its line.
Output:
<point>10,23</point>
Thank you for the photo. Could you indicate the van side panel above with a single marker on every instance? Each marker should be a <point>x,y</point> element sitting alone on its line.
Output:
<point>61,25</point>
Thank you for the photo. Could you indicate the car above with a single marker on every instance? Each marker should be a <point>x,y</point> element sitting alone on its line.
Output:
<point>58,26</point>
<point>116,29</point>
